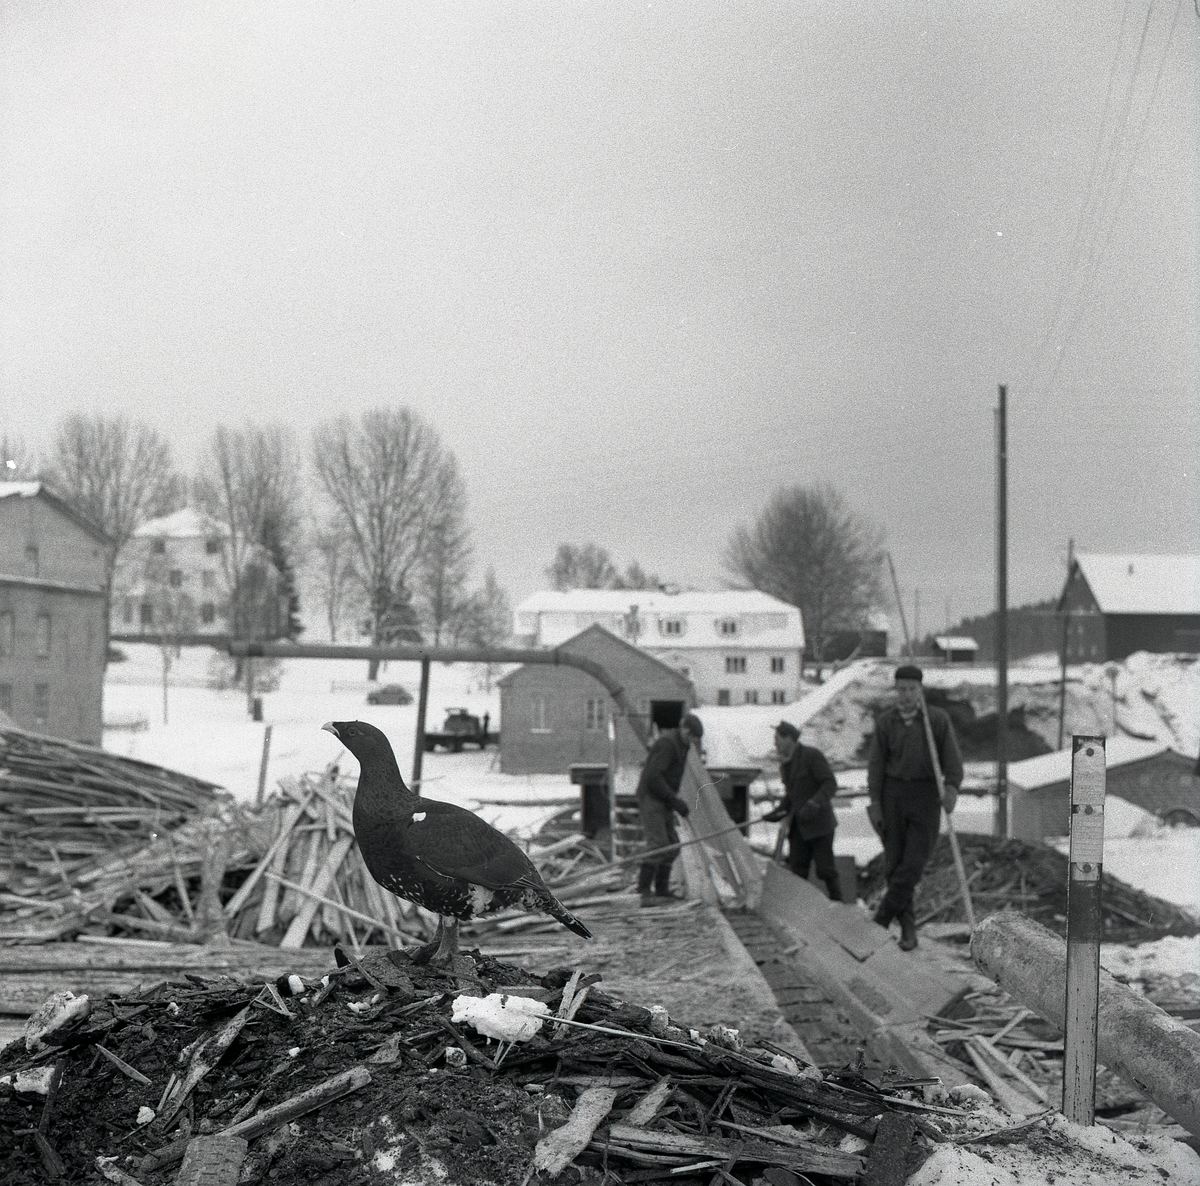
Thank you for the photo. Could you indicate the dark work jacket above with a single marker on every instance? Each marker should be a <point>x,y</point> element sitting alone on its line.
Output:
<point>901,752</point>
<point>809,786</point>
<point>663,770</point>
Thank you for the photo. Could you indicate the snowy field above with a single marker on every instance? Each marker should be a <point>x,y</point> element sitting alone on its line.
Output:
<point>210,735</point>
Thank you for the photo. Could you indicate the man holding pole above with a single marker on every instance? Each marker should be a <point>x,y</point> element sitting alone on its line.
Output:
<point>914,748</point>
<point>659,802</point>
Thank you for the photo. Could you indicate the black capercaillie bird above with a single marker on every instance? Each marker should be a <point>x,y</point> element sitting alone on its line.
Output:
<point>436,855</point>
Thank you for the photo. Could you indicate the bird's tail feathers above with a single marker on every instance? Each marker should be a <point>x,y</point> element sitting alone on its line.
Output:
<point>553,907</point>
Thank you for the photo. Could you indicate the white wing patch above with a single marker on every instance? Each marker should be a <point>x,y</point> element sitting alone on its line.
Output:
<point>480,898</point>
<point>418,816</point>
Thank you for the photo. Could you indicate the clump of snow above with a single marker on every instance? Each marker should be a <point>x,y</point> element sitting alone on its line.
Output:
<point>498,1015</point>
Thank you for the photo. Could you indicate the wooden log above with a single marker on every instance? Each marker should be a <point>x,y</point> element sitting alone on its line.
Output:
<point>1135,1038</point>
<point>312,891</point>
<point>212,1161</point>
<point>286,822</point>
<point>887,1161</point>
<point>556,1151</point>
<point>647,1107</point>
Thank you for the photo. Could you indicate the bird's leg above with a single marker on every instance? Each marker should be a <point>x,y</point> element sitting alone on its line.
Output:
<point>448,947</point>
<point>428,951</point>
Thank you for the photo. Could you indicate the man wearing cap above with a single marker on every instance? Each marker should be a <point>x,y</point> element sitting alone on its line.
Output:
<point>659,802</point>
<point>904,807</point>
<point>809,787</point>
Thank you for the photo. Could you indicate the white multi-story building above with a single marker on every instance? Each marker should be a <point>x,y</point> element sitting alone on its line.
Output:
<point>737,646</point>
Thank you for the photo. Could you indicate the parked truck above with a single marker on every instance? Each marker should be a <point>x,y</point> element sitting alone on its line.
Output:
<point>460,729</point>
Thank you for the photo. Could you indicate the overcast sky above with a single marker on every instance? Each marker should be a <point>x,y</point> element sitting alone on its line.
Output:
<point>640,264</point>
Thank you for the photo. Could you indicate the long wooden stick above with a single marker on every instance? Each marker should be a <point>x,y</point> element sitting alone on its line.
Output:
<point>963,886</point>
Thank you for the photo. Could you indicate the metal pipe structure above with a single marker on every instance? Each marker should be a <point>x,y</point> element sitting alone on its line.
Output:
<point>1001,823</point>
<point>553,657</point>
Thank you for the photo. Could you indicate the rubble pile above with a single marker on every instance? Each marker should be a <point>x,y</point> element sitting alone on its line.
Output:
<point>1029,878</point>
<point>364,1076</point>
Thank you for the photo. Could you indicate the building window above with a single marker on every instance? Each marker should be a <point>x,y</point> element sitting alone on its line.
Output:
<point>41,704</point>
<point>539,716</point>
<point>735,664</point>
<point>673,626</point>
<point>728,626</point>
<point>208,612</point>
<point>212,547</point>
<point>175,576</point>
<point>594,716</point>
<point>777,664</point>
<point>147,614</point>
<point>6,699</point>
<point>779,696</point>
<point>7,635</point>
<point>31,560</point>
<point>128,614</point>
<point>723,697</point>
<point>751,695</point>
<point>158,547</point>
<point>42,638</point>
<point>208,579</point>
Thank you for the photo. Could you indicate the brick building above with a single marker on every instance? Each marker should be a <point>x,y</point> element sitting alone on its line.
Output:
<point>52,572</point>
<point>552,717</point>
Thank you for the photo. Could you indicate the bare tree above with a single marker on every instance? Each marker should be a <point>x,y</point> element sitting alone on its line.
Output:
<point>116,472</point>
<point>441,577</point>
<point>249,481</point>
<point>385,478</point>
<point>636,577</point>
<point>487,619</point>
<point>337,576</point>
<point>809,549</point>
<point>173,613</point>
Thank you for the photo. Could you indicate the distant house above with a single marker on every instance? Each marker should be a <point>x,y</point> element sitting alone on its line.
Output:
<point>1146,773</point>
<point>953,648</point>
<point>736,646</point>
<point>1124,603</point>
<point>553,716</point>
<point>174,577</point>
<point>52,573</point>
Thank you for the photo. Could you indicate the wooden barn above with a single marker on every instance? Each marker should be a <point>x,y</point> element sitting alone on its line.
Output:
<point>1146,773</point>
<point>556,717</point>
<point>1120,604</point>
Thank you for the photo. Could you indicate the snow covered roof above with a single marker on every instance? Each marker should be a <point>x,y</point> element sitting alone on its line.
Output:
<point>725,601</point>
<point>1046,769</point>
<point>19,489</point>
<point>188,523</point>
<point>1143,583</point>
<point>956,642</point>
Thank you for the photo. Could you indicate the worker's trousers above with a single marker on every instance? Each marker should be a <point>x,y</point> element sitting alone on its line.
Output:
<point>802,854</point>
<point>912,816</point>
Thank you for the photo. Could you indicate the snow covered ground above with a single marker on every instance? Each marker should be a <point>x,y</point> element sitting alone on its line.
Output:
<point>210,735</point>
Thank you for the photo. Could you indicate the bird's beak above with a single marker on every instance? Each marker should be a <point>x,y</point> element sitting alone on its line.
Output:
<point>329,728</point>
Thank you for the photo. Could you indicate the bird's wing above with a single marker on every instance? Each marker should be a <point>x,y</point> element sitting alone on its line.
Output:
<point>456,843</point>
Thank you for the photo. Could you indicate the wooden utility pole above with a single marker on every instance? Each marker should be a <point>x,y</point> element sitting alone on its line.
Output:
<point>1000,826</point>
<point>1066,634</point>
<point>419,740</point>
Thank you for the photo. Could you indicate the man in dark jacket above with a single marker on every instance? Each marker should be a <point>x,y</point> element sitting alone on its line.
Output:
<point>659,802</point>
<point>809,787</point>
<point>904,807</point>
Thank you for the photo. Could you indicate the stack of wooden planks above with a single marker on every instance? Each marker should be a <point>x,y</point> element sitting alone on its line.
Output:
<point>71,818</point>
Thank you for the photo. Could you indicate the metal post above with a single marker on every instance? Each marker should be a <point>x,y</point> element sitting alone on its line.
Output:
<point>1000,827</point>
<point>1083,929</point>
<point>419,742</point>
<point>612,784</point>
<point>262,769</point>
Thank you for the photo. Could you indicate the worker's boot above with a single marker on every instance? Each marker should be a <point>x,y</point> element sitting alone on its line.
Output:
<point>908,930</point>
<point>834,886</point>
<point>662,882</point>
<point>885,914</point>
<point>646,884</point>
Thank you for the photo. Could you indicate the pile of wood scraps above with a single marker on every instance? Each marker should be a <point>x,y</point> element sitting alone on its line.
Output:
<point>365,1070</point>
<point>72,817</point>
<point>1032,879</point>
